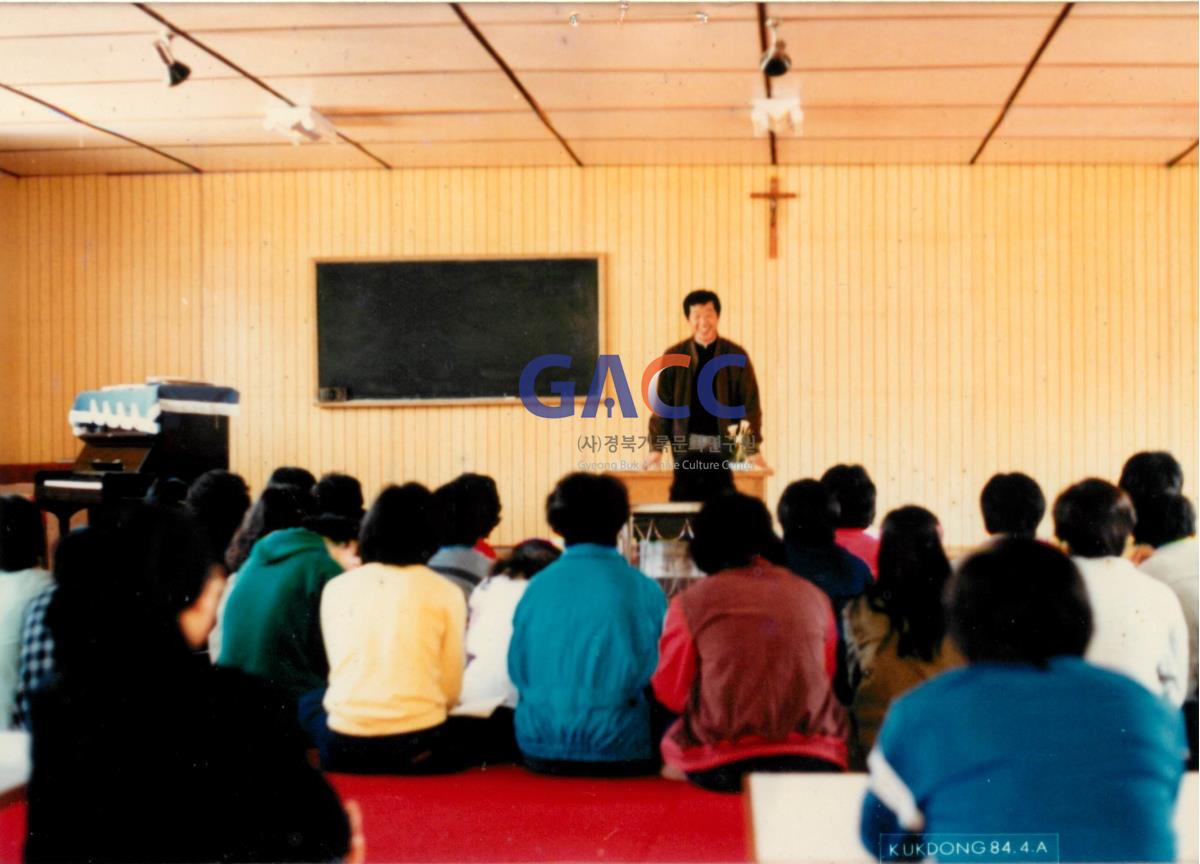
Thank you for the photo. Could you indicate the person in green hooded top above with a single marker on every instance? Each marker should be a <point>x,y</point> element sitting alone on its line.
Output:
<point>271,623</point>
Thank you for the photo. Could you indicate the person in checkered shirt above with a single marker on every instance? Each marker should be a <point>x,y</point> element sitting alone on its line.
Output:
<point>73,558</point>
<point>22,577</point>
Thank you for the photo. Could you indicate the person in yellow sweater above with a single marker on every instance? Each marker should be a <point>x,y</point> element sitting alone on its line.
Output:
<point>393,632</point>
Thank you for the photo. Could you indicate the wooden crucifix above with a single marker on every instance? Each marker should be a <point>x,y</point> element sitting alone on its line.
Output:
<point>774,196</point>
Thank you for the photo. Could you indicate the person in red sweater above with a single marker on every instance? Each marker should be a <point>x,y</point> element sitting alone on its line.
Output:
<point>747,659</point>
<point>851,486</point>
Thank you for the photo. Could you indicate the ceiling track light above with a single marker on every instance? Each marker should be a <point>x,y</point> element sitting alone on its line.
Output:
<point>176,72</point>
<point>776,61</point>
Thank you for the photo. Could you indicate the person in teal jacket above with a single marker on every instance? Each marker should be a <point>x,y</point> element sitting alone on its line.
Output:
<point>585,643</point>
<point>272,625</point>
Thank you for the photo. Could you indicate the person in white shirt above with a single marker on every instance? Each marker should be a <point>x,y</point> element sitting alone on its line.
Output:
<point>1139,628</point>
<point>1167,524</point>
<point>22,577</point>
<point>489,624</point>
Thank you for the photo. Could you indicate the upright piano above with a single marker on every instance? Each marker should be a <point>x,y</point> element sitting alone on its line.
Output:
<point>132,435</point>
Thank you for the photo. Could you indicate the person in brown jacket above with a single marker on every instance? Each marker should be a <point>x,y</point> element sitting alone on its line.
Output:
<point>747,658</point>
<point>682,419</point>
<point>896,632</point>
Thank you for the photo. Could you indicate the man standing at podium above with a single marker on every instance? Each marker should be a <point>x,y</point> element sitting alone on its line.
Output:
<point>702,415</point>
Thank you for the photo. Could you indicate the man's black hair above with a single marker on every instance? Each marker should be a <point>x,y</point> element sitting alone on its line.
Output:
<point>1012,504</point>
<point>339,495</point>
<point>1163,519</point>
<point>588,508</point>
<point>1094,518</point>
<point>401,528</point>
<point>22,534</point>
<point>219,500</point>
<point>468,509</point>
<point>1151,472</point>
<point>808,513</point>
<point>699,298</point>
<point>851,487</point>
<point>729,531</point>
<point>291,475</point>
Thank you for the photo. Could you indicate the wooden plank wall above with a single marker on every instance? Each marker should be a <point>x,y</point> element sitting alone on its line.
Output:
<point>937,324</point>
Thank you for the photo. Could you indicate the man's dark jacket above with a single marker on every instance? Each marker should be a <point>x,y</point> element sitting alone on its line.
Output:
<point>734,385</point>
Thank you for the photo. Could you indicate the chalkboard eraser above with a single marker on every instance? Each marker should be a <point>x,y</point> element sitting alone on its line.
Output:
<point>333,394</point>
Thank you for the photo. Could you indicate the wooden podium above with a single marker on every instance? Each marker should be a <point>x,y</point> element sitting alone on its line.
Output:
<point>654,485</point>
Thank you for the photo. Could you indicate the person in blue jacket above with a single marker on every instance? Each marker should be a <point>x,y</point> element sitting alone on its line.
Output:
<point>585,643</point>
<point>1028,744</point>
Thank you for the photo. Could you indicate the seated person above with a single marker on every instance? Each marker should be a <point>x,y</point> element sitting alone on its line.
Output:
<point>339,495</point>
<point>218,499</point>
<point>1168,526</point>
<point>487,691</point>
<point>393,631</point>
<point>23,576</point>
<point>142,751</point>
<point>808,515</point>
<point>747,658</point>
<point>585,642</point>
<point>1138,626</point>
<point>271,623</point>
<point>468,509</point>
<point>852,489</point>
<point>1028,739</point>
<point>1013,505</point>
<point>1144,476</point>
<point>895,633</point>
<point>298,478</point>
<point>74,558</point>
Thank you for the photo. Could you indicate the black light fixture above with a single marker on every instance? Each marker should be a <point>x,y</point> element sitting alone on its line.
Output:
<point>776,61</point>
<point>177,72</point>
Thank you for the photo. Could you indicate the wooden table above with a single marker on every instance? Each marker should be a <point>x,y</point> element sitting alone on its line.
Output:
<point>654,486</point>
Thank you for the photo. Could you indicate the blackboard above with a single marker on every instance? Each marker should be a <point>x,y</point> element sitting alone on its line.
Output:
<point>453,329</point>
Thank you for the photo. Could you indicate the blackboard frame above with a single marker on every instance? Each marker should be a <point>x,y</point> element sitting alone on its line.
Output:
<point>475,401</point>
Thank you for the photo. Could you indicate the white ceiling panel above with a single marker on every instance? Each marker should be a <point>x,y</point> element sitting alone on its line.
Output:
<point>274,157</point>
<point>1081,151</point>
<point>104,104</point>
<point>897,122</point>
<point>85,59</point>
<point>606,13</point>
<point>643,89</point>
<point>472,154</point>
<point>693,152</point>
<point>61,19</point>
<point>464,92</point>
<point>1108,10</point>
<point>795,151</point>
<point>910,42</point>
<point>18,109</point>
<point>654,123</point>
<point>1109,85</point>
<point>64,135</point>
<point>1106,41</point>
<point>117,160</point>
<point>213,130</point>
<point>203,17</point>
<point>1100,122</point>
<point>972,86</point>
<point>911,10</point>
<point>494,126</point>
<point>270,53</point>
<point>721,45</point>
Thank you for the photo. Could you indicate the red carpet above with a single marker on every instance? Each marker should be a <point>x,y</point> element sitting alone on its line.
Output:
<point>508,814</point>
